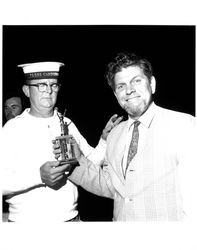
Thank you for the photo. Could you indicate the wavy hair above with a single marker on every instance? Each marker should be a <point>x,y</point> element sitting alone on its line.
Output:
<point>124,60</point>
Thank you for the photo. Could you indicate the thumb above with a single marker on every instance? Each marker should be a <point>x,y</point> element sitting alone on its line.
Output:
<point>53,164</point>
<point>63,168</point>
<point>56,163</point>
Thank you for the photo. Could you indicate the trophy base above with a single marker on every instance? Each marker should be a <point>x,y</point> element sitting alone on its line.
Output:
<point>68,161</point>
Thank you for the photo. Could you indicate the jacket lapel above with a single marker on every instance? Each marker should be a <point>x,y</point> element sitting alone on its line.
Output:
<point>116,148</point>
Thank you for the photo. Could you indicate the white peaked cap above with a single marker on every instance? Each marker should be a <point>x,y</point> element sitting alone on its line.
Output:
<point>41,67</point>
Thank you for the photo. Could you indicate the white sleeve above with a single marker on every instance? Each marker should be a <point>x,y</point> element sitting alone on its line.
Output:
<point>16,174</point>
<point>97,154</point>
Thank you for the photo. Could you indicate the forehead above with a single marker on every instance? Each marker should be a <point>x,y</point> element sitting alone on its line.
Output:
<point>128,73</point>
<point>13,100</point>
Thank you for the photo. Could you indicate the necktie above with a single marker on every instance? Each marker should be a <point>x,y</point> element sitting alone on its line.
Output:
<point>134,143</point>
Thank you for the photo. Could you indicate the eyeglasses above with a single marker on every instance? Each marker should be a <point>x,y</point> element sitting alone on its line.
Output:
<point>42,87</point>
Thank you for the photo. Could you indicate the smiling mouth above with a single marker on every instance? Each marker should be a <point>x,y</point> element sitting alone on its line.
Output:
<point>131,98</point>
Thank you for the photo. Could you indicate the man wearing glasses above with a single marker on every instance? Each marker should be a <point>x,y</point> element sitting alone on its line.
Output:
<point>28,159</point>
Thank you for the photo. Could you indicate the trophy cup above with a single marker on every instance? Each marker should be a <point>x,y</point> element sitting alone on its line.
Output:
<point>67,154</point>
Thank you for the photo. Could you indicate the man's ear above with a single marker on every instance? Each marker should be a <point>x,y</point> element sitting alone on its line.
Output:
<point>153,84</point>
<point>26,90</point>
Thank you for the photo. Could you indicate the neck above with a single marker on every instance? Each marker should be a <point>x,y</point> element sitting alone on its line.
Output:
<point>41,114</point>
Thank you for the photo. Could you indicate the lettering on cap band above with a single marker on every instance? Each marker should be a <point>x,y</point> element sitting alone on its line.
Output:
<point>41,75</point>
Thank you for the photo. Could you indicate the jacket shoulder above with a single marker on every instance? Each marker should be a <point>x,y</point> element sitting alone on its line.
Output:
<point>117,129</point>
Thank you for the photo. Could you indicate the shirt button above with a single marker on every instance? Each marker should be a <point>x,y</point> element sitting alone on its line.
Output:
<point>127,199</point>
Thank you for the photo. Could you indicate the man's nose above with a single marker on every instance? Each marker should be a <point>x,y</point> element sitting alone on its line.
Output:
<point>130,89</point>
<point>49,89</point>
<point>8,111</point>
<point>9,115</point>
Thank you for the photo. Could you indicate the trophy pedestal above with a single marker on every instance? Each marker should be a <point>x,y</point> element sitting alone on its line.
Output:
<point>67,155</point>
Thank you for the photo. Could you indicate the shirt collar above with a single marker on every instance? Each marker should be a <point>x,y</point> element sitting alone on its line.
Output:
<point>146,118</point>
<point>26,113</point>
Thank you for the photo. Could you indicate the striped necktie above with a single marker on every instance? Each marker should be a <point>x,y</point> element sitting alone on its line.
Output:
<point>134,143</point>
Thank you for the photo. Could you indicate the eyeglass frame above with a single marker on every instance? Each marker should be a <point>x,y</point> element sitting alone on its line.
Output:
<point>45,86</point>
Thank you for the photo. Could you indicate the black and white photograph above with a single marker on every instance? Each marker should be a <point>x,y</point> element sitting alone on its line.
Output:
<point>99,129</point>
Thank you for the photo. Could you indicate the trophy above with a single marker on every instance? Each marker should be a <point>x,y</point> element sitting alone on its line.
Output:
<point>67,154</point>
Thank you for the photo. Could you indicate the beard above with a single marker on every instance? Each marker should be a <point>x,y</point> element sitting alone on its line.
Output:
<point>136,110</point>
<point>133,111</point>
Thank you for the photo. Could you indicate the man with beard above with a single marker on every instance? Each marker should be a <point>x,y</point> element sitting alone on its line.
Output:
<point>150,158</point>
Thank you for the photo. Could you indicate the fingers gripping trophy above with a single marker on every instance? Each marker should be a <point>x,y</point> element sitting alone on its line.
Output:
<point>65,141</point>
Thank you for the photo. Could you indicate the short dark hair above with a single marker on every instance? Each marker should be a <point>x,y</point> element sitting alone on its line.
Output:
<point>10,93</point>
<point>124,60</point>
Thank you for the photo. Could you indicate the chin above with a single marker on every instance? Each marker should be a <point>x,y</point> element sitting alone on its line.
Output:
<point>134,112</point>
<point>47,104</point>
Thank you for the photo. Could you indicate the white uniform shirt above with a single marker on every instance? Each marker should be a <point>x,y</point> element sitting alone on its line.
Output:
<point>27,145</point>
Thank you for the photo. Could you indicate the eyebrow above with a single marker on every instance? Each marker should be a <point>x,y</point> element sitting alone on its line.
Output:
<point>14,104</point>
<point>119,83</point>
<point>136,77</point>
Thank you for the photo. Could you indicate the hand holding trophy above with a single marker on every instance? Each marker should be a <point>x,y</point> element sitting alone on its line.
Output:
<point>65,142</point>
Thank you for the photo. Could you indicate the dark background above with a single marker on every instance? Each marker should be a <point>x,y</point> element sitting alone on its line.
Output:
<point>86,50</point>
